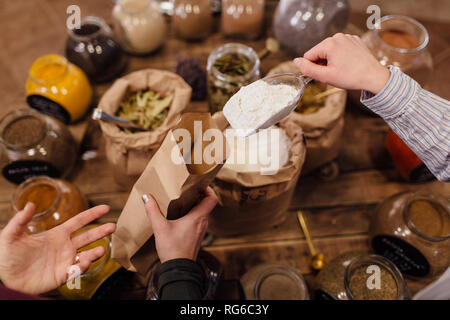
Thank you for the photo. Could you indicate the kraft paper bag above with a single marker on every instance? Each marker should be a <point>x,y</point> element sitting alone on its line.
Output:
<point>176,185</point>
<point>250,202</point>
<point>128,154</point>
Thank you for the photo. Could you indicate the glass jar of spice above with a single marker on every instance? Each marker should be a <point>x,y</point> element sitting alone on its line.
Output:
<point>412,229</point>
<point>34,145</point>
<point>139,26</point>
<point>242,18</point>
<point>230,67</point>
<point>360,276</point>
<point>99,271</point>
<point>58,88</point>
<point>274,282</point>
<point>402,42</point>
<point>93,48</point>
<point>192,19</point>
<point>213,274</point>
<point>56,201</point>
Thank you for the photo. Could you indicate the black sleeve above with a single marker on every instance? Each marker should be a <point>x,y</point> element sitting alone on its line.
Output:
<point>180,279</point>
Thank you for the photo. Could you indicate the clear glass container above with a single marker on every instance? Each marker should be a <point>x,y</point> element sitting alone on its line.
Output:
<point>58,88</point>
<point>192,19</point>
<point>299,25</point>
<point>139,26</point>
<point>94,49</point>
<point>56,201</point>
<point>221,86</point>
<point>274,282</point>
<point>412,229</point>
<point>357,275</point>
<point>99,271</point>
<point>242,18</point>
<point>34,144</point>
<point>402,42</point>
<point>213,274</point>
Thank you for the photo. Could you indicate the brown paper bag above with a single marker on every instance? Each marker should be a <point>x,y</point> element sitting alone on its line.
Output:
<point>323,129</point>
<point>176,188</point>
<point>128,154</point>
<point>250,202</point>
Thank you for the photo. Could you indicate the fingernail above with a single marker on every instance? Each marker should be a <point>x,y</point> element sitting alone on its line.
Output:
<point>29,203</point>
<point>297,60</point>
<point>145,198</point>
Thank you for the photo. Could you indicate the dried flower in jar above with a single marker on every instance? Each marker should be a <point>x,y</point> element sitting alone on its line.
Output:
<point>233,64</point>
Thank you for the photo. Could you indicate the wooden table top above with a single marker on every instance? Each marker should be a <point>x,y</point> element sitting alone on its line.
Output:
<point>338,212</point>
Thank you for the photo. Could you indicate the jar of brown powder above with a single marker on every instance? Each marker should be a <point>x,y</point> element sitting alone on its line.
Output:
<point>242,18</point>
<point>412,229</point>
<point>192,19</point>
<point>55,200</point>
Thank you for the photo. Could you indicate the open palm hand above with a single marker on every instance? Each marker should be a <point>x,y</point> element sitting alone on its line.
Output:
<point>39,263</point>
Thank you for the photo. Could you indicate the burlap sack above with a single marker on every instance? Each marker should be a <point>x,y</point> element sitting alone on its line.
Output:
<point>251,202</point>
<point>128,154</point>
<point>176,187</point>
<point>322,129</point>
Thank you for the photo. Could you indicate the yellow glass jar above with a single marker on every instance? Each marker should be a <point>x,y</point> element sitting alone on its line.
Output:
<point>58,88</point>
<point>87,284</point>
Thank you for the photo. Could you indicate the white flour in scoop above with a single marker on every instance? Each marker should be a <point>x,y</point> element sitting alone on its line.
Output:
<point>255,104</point>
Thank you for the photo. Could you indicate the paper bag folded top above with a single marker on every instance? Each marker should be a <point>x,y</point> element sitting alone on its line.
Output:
<point>176,177</point>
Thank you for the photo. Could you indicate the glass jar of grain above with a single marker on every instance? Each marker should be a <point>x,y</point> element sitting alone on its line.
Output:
<point>402,42</point>
<point>56,201</point>
<point>412,229</point>
<point>356,275</point>
<point>34,144</point>
<point>192,19</point>
<point>242,18</point>
<point>230,67</point>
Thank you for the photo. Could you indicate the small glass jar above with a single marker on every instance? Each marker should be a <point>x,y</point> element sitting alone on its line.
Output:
<point>299,25</point>
<point>360,276</point>
<point>242,18</point>
<point>274,282</point>
<point>402,42</point>
<point>56,201</point>
<point>34,145</point>
<point>213,274</point>
<point>58,88</point>
<point>86,285</point>
<point>93,48</point>
<point>139,26</point>
<point>412,229</point>
<point>192,19</point>
<point>221,86</point>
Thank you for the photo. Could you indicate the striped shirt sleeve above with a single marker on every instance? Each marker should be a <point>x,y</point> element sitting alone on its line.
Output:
<point>420,118</point>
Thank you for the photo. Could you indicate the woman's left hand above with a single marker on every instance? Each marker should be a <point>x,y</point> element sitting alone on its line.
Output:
<point>40,262</point>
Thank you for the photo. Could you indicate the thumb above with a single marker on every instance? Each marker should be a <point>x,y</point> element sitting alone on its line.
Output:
<point>153,212</point>
<point>311,69</point>
<point>19,221</point>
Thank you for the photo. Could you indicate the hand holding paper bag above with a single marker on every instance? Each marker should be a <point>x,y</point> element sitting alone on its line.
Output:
<point>176,178</point>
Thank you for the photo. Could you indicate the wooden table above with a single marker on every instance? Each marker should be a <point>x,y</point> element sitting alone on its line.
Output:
<point>338,212</point>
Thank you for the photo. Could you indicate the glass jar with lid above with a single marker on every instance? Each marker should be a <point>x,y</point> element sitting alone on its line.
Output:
<point>357,275</point>
<point>230,67</point>
<point>274,282</point>
<point>87,284</point>
<point>299,25</point>
<point>213,274</point>
<point>35,144</point>
<point>56,201</point>
<point>139,26</point>
<point>402,42</point>
<point>93,48</point>
<point>412,229</point>
<point>58,88</point>
<point>192,19</point>
<point>242,18</point>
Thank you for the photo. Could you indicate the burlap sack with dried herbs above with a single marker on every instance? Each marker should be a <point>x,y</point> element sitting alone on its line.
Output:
<point>250,202</point>
<point>128,154</point>
<point>322,129</point>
